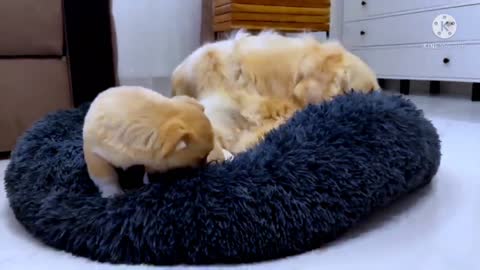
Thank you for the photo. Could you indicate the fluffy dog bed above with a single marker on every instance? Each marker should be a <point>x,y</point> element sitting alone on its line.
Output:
<point>311,180</point>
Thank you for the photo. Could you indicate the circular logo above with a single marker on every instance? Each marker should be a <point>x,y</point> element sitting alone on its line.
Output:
<point>444,26</point>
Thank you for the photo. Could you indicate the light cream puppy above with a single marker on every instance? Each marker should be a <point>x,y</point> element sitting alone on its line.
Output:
<point>128,126</point>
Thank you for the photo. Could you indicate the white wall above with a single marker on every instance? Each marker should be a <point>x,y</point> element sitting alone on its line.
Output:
<point>336,19</point>
<point>153,37</point>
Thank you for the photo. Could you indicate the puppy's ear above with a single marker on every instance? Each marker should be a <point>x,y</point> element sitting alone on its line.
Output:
<point>189,100</point>
<point>175,137</point>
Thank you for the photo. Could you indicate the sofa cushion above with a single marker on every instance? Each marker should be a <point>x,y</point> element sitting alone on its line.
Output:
<point>29,89</point>
<point>31,27</point>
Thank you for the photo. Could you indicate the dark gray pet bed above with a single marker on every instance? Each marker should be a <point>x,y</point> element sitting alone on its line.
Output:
<point>317,176</point>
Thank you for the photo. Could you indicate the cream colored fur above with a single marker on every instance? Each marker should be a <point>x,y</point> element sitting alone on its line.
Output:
<point>128,126</point>
<point>252,83</point>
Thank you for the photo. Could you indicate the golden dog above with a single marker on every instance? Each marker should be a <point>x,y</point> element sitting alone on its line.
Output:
<point>249,84</point>
<point>128,126</point>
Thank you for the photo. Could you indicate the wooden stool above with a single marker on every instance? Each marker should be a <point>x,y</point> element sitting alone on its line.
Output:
<point>279,15</point>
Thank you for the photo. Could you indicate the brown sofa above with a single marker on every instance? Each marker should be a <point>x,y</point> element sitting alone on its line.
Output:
<point>54,54</point>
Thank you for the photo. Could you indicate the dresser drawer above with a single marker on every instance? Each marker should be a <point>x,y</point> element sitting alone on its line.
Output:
<point>412,28</point>
<point>456,62</point>
<point>361,9</point>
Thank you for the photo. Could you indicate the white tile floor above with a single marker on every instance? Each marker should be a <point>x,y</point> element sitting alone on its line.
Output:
<point>434,229</point>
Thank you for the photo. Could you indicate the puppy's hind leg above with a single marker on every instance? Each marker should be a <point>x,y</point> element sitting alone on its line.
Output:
<point>103,174</point>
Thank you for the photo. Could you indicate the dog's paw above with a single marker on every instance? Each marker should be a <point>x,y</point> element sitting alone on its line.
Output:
<point>275,109</point>
<point>216,155</point>
<point>110,191</point>
<point>227,155</point>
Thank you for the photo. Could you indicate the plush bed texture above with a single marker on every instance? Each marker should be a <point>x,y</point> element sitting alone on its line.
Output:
<point>311,180</point>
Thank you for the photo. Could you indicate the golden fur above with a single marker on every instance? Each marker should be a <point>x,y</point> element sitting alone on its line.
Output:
<point>128,126</point>
<point>252,83</point>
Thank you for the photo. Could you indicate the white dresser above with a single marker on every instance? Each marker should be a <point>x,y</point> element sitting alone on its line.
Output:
<point>435,40</point>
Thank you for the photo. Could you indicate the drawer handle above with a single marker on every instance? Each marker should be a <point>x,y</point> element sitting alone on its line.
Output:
<point>364,3</point>
<point>446,60</point>
<point>363,33</point>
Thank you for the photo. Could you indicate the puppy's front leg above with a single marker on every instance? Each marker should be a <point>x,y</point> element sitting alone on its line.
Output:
<point>103,174</point>
<point>275,108</point>
<point>216,154</point>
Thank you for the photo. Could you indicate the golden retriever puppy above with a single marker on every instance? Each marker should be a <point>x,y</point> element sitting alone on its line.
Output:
<point>128,126</point>
<point>292,70</point>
